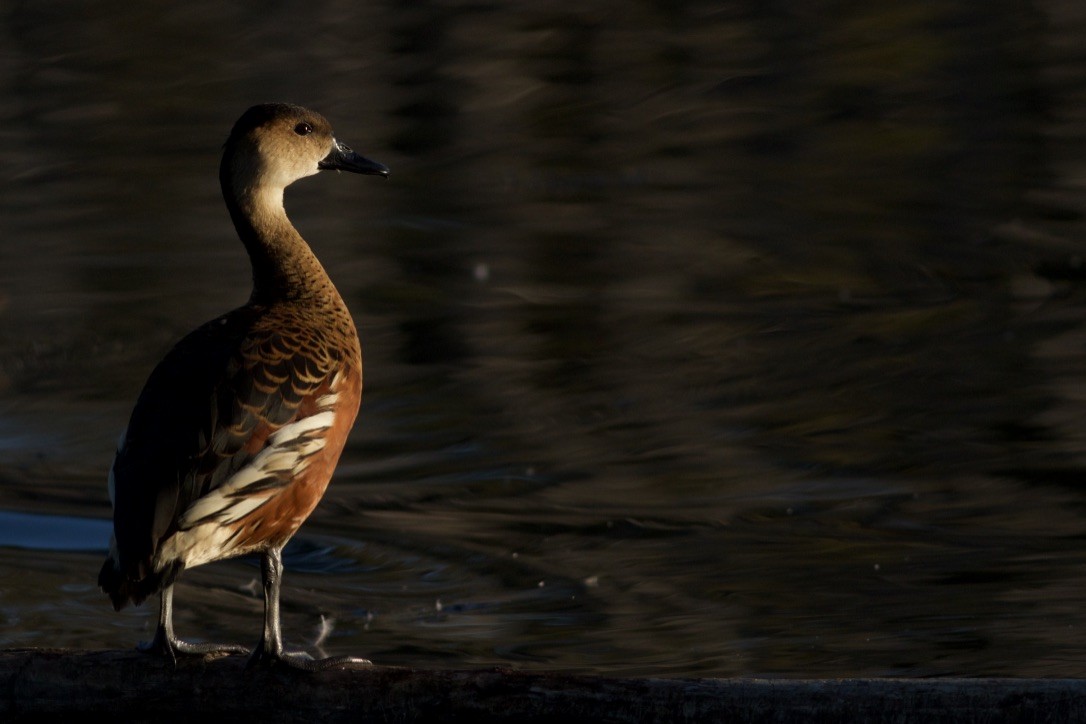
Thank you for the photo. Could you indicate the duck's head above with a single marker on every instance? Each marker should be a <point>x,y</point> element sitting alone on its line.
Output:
<point>273,145</point>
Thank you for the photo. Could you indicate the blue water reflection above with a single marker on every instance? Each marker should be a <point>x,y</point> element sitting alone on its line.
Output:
<point>53,532</point>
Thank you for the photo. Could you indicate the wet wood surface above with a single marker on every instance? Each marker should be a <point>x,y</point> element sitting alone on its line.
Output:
<point>130,686</point>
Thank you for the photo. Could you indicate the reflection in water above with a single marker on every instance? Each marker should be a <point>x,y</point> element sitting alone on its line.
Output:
<point>701,339</point>
<point>53,532</point>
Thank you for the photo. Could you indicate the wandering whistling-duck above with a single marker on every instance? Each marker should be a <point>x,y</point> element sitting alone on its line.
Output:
<point>237,431</point>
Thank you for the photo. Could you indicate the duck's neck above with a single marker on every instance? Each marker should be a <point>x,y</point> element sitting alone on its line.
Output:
<point>284,267</point>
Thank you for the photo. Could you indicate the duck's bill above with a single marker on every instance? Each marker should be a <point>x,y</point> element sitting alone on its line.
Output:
<point>342,158</point>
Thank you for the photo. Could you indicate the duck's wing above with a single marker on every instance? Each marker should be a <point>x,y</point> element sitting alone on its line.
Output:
<point>225,419</point>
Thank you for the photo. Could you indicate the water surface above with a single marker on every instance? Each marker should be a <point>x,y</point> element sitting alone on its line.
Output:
<point>701,338</point>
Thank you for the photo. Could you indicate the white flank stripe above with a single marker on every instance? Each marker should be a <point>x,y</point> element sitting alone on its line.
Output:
<point>288,452</point>
<point>202,544</point>
<point>320,421</point>
<point>242,508</point>
<point>309,447</point>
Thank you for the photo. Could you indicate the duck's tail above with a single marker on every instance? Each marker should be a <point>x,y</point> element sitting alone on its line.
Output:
<point>124,588</point>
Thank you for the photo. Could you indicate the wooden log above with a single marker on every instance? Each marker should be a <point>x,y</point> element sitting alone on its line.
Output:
<point>129,686</point>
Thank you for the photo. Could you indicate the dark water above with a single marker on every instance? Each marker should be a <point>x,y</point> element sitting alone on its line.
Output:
<point>701,338</point>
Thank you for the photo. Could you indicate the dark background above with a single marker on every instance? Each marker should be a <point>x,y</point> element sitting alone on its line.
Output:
<point>702,338</point>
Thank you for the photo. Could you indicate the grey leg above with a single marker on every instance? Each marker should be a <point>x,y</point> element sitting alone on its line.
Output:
<point>168,645</point>
<point>270,649</point>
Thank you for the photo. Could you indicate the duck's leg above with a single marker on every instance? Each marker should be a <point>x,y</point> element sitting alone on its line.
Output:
<point>270,649</point>
<point>166,642</point>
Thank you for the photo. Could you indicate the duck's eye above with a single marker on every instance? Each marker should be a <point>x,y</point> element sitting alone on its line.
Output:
<point>303,129</point>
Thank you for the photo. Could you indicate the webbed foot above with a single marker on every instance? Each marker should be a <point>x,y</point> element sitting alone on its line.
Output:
<point>170,647</point>
<point>302,661</point>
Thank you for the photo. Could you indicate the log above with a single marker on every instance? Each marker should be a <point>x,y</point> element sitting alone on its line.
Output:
<point>130,686</point>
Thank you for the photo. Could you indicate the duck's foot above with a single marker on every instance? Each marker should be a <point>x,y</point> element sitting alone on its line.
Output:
<point>170,647</point>
<point>270,652</point>
<point>303,661</point>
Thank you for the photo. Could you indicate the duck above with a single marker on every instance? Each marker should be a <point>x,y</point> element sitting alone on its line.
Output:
<point>237,431</point>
